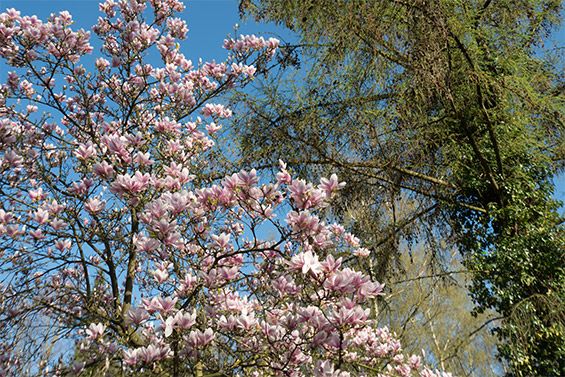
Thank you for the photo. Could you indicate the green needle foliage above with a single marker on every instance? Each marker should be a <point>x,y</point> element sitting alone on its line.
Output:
<point>448,104</point>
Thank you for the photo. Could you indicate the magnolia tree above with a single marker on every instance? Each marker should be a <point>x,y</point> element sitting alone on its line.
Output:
<point>114,261</point>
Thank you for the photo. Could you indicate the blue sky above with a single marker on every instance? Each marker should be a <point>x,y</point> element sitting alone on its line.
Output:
<point>209,21</point>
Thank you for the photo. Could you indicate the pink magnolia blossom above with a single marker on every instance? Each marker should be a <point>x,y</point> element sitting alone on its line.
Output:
<point>94,205</point>
<point>95,331</point>
<point>331,185</point>
<point>306,262</point>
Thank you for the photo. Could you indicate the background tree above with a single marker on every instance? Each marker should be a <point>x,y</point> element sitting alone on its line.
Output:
<point>447,104</point>
<point>429,309</point>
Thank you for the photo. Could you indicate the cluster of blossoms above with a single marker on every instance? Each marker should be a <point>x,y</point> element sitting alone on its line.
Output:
<point>246,43</point>
<point>33,33</point>
<point>109,233</point>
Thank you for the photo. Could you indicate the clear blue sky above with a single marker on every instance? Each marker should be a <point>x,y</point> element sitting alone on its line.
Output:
<point>209,21</point>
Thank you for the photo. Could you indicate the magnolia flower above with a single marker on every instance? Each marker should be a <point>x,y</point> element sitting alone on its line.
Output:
<point>85,151</point>
<point>185,320</point>
<point>306,262</point>
<point>103,170</point>
<point>168,326</point>
<point>305,196</point>
<point>212,128</point>
<point>41,216</point>
<point>221,241</point>
<point>152,353</point>
<point>159,304</point>
<point>362,252</point>
<point>63,245</point>
<point>37,195</point>
<point>137,315</point>
<point>326,369</point>
<point>94,206</point>
<point>95,331</point>
<point>216,110</point>
<point>161,275</point>
<point>331,185</point>
<point>102,64</point>
<point>199,338</point>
